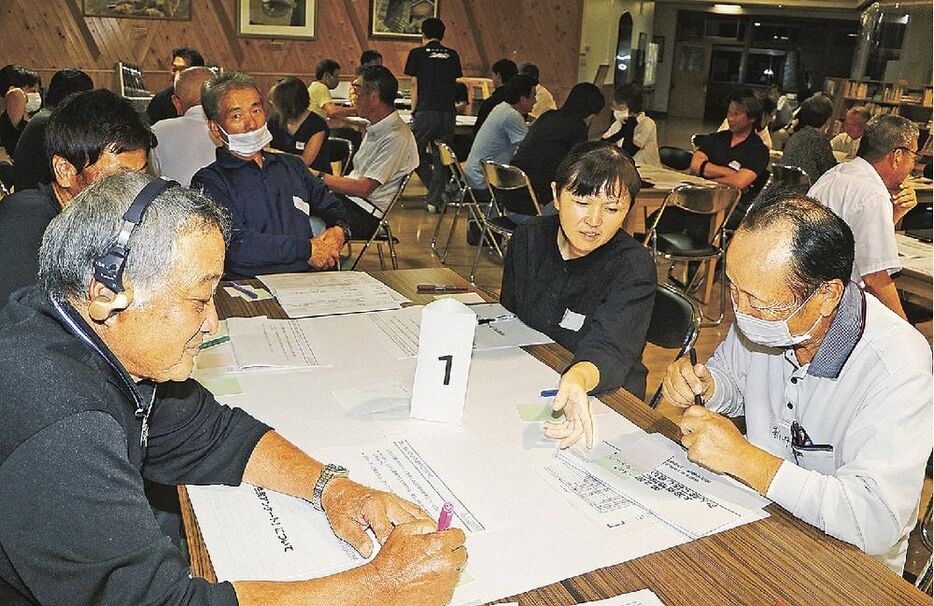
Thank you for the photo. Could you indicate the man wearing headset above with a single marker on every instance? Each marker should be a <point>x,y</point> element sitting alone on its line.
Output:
<point>95,398</point>
<point>835,387</point>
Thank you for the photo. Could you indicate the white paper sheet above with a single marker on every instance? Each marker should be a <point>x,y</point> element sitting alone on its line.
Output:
<point>327,293</point>
<point>505,331</point>
<point>263,343</point>
<point>644,597</point>
<point>915,254</point>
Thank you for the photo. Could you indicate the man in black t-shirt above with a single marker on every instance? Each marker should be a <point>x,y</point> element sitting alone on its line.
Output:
<point>434,70</point>
<point>737,156</point>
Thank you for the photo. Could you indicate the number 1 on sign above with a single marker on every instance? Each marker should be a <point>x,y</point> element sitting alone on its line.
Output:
<point>448,361</point>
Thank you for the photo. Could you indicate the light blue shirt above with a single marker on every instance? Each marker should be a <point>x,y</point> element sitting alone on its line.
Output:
<point>497,140</point>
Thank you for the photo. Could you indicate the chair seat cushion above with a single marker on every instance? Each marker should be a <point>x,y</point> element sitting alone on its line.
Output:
<point>683,245</point>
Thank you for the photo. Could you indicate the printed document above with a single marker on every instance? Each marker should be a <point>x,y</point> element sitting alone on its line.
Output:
<point>303,295</point>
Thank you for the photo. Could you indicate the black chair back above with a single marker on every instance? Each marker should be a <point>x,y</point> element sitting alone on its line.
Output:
<point>675,157</point>
<point>510,188</point>
<point>675,323</point>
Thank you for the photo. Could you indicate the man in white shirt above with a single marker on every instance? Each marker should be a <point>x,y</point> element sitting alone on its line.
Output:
<point>870,193</point>
<point>184,143</point>
<point>544,100</point>
<point>854,123</point>
<point>387,154</point>
<point>327,77</point>
<point>835,388</point>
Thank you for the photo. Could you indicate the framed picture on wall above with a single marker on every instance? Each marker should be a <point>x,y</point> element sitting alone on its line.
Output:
<point>139,9</point>
<point>660,41</point>
<point>400,18</point>
<point>277,18</point>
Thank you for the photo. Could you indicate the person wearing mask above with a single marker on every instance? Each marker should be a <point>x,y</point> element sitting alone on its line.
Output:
<point>583,281</point>
<point>631,130</point>
<point>271,197</point>
<point>19,88</point>
<point>160,106</point>
<point>295,129</point>
<point>808,147</point>
<point>31,162</point>
<point>553,135</point>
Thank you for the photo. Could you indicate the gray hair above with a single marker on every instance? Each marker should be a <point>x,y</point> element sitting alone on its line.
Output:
<point>89,225</point>
<point>215,88</point>
<point>884,134</point>
<point>860,110</point>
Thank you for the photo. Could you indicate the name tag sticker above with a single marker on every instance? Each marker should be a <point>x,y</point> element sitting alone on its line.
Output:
<point>301,205</point>
<point>735,165</point>
<point>300,146</point>
<point>572,321</point>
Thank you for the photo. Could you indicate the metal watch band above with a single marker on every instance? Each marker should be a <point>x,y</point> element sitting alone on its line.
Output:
<point>328,473</point>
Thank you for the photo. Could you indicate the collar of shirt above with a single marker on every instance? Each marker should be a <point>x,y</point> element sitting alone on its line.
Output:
<point>46,190</point>
<point>844,333</point>
<point>860,167</point>
<point>227,160</point>
<point>196,113</point>
<point>384,126</point>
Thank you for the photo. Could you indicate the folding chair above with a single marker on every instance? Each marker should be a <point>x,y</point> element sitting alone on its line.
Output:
<point>511,191</point>
<point>383,233</point>
<point>464,199</point>
<point>340,151</point>
<point>675,322</point>
<point>675,157</point>
<point>692,230</point>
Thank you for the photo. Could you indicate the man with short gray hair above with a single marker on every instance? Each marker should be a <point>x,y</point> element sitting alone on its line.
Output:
<point>871,193</point>
<point>185,143</point>
<point>835,388</point>
<point>96,398</point>
<point>271,197</point>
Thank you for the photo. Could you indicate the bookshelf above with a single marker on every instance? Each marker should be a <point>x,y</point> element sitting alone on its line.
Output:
<point>900,98</point>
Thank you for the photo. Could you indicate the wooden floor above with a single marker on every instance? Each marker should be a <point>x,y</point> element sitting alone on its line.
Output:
<point>414,226</point>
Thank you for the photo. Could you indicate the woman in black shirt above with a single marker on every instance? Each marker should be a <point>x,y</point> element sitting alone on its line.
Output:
<point>584,282</point>
<point>294,128</point>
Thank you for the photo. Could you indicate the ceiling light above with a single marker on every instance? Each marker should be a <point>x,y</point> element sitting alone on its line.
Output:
<point>728,9</point>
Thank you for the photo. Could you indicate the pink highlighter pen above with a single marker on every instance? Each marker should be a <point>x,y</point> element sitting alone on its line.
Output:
<point>444,520</point>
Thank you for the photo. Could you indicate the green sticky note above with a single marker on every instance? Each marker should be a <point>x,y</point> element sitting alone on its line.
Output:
<point>618,467</point>
<point>465,579</point>
<point>536,413</point>
<point>227,386</point>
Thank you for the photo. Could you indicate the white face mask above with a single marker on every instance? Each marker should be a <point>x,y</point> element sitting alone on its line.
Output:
<point>33,102</point>
<point>620,114</point>
<point>772,333</point>
<point>247,144</point>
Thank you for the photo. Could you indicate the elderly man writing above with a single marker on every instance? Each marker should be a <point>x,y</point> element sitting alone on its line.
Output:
<point>835,387</point>
<point>115,406</point>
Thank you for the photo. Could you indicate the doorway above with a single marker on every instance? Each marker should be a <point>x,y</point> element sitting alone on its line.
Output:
<point>689,80</point>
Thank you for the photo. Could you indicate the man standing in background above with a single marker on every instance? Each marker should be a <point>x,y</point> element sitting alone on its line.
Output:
<point>434,70</point>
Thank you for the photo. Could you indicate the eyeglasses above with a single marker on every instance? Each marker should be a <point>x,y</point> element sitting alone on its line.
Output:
<point>914,153</point>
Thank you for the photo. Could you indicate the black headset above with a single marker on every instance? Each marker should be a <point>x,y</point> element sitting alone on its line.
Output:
<point>108,269</point>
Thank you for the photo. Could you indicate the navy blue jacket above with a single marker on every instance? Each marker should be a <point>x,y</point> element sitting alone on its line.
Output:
<point>269,210</point>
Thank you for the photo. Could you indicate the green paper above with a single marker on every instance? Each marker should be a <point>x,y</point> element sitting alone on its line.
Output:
<point>536,413</point>
<point>618,467</point>
<point>223,387</point>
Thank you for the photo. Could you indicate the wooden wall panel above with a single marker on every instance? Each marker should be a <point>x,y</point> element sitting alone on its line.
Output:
<point>48,35</point>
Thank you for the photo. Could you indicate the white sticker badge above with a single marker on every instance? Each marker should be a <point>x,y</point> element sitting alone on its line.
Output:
<point>301,205</point>
<point>572,321</point>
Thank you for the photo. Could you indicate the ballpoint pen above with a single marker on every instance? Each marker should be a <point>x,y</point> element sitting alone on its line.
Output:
<point>698,400</point>
<point>244,290</point>
<point>440,288</point>
<point>494,319</point>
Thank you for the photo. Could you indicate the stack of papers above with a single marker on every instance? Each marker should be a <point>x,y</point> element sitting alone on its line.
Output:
<point>915,254</point>
<point>303,295</point>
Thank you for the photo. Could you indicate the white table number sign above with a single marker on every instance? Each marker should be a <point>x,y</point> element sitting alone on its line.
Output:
<point>445,344</point>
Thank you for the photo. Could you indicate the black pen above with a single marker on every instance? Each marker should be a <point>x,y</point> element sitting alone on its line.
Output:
<point>494,319</point>
<point>440,288</point>
<point>699,401</point>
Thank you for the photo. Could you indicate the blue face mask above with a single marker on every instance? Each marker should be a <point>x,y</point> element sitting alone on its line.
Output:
<point>772,333</point>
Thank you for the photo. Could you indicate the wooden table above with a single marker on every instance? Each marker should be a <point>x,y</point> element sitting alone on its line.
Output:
<point>755,564</point>
<point>649,200</point>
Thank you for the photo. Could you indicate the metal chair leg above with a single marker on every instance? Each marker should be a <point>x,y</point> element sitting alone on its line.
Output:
<point>434,236</point>
<point>392,246</point>
<point>447,245</point>
<point>476,260</point>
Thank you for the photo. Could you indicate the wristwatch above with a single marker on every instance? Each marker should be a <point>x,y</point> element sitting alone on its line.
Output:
<point>344,228</point>
<point>328,473</point>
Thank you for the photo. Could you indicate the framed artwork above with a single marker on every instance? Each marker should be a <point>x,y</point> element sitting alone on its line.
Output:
<point>640,50</point>
<point>277,18</point>
<point>660,41</point>
<point>400,18</point>
<point>139,9</point>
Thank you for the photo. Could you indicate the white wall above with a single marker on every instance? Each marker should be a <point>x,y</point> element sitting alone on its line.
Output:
<point>914,62</point>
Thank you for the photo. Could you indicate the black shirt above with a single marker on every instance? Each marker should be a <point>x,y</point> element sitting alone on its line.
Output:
<point>160,106</point>
<point>549,140</point>
<point>613,288</point>
<point>496,97</point>
<point>76,527</point>
<point>10,133</point>
<point>24,216</point>
<point>30,164</point>
<point>295,143</point>
<point>751,154</point>
<point>437,68</point>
